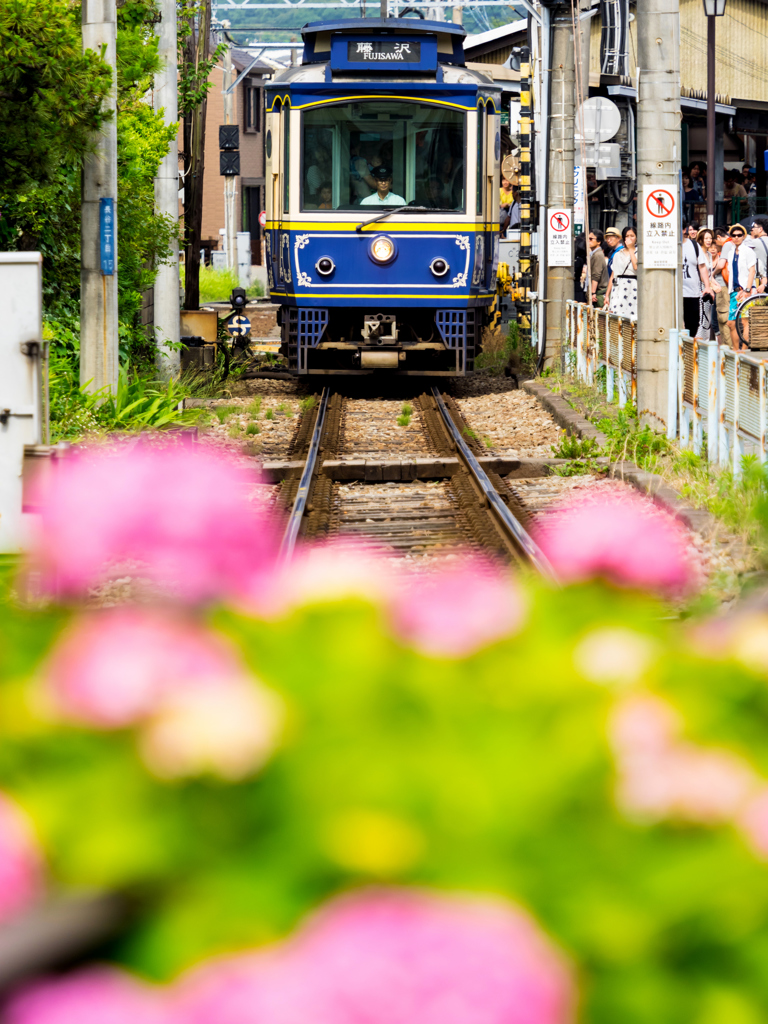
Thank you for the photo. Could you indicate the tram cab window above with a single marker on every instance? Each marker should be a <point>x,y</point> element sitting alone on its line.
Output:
<point>422,143</point>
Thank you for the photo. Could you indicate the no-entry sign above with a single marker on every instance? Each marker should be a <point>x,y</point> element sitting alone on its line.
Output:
<point>660,232</point>
<point>559,233</point>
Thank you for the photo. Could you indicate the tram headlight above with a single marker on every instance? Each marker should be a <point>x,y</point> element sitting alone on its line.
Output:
<point>439,267</point>
<point>382,249</point>
<point>325,266</point>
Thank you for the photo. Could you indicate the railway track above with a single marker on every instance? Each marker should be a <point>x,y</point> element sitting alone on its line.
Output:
<point>439,498</point>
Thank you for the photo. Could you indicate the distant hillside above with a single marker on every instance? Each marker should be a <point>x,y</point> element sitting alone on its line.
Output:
<point>285,25</point>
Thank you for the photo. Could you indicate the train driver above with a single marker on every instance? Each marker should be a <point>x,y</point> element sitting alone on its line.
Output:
<point>382,196</point>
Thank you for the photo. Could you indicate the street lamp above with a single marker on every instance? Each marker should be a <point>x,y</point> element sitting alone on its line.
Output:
<point>713,9</point>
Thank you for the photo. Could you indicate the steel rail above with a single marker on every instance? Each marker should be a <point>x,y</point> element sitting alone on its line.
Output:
<point>498,509</point>
<point>300,501</point>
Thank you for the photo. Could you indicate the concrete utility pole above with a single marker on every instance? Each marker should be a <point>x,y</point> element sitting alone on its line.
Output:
<point>98,260</point>
<point>167,196</point>
<point>560,176</point>
<point>658,155</point>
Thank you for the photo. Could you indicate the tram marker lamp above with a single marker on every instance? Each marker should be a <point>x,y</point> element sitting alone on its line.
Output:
<point>382,249</point>
<point>714,8</point>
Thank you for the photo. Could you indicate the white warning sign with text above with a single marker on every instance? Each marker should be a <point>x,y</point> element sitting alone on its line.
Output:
<point>559,235</point>
<point>660,227</point>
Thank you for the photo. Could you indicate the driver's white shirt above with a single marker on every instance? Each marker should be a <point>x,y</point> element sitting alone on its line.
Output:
<point>391,200</point>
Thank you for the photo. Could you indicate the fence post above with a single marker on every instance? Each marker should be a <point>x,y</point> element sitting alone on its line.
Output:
<point>610,375</point>
<point>712,402</point>
<point>672,383</point>
<point>722,430</point>
<point>696,411</point>
<point>620,369</point>
<point>633,361</point>
<point>681,417</point>
<point>736,412</point>
<point>761,399</point>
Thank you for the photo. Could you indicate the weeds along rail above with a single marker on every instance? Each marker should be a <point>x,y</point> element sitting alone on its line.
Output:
<point>437,498</point>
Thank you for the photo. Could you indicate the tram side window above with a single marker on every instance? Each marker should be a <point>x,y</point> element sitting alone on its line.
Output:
<point>421,145</point>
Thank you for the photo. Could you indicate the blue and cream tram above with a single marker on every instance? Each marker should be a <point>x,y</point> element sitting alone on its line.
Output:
<point>369,275</point>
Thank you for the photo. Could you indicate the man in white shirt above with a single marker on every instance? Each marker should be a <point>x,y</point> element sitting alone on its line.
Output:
<point>741,278</point>
<point>758,241</point>
<point>382,196</point>
<point>695,282</point>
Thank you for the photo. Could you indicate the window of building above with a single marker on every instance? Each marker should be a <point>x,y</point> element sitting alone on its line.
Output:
<point>421,144</point>
<point>252,105</point>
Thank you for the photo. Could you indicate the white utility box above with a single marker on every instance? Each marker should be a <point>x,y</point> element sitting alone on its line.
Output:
<point>21,333</point>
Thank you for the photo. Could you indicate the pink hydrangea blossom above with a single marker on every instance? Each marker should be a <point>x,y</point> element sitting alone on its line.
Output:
<point>21,861</point>
<point>197,707</point>
<point>455,610</point>
<point>112,668</point>
<point>393,957</point>
<point>183,514</point>
<point>227,730</point>
<point>753,822</point>
<point>321,573</point>
<point>621,537</point>
<point>99,995</point>
<point>660,776</point>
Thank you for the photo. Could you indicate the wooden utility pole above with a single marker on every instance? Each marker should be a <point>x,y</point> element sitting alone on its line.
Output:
<point>166,299</point>
<point>197,52</point>
<point>561,75</point>
<point>658,155</point>
<point>98,244</point>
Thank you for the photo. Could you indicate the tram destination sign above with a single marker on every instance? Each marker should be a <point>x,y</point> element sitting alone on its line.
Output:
<point>392,51</point>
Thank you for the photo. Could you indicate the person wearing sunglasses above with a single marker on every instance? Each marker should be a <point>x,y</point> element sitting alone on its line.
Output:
<point>742,266</point>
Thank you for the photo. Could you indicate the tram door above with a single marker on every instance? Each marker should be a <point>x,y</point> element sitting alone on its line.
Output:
<point>278,186</point>
<point>492,186</point>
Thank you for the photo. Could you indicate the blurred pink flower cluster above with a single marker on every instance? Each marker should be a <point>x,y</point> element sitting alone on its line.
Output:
<point>197,706</point>
<point>620,536</point>
<point>183,514</point>
<point>374,957</point>
<point>662,776</point>
<point>21,861</point>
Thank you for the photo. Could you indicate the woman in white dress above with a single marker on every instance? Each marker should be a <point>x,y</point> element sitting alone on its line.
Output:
<point>621,296</point>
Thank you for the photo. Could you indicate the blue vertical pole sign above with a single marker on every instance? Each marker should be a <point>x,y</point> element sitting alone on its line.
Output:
<point>107,235</point>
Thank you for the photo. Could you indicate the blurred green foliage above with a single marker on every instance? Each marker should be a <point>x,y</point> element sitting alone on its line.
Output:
<point>490,774</point>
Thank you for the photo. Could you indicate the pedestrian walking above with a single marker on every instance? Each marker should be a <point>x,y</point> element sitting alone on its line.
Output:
<point>580,269</point>
<point>707,328</point>
<point>598,268</point>
<point>758,241</point>
<point>611,244</point>
<point>722,246</point>
<point>697,181</point>
<point>621,294</point>
<point>742,265</point>
<point>695,278</point>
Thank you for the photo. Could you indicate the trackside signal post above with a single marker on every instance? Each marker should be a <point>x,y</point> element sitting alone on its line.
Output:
<point>658,155</point>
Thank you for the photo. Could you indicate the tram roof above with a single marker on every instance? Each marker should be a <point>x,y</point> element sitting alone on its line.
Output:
<point>416,26</point>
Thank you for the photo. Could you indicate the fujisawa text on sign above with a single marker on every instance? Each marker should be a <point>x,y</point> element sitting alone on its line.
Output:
<point>559,237</point>
<point>660,227</point>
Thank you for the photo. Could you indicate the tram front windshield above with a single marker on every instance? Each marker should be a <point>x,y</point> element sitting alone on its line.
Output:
<point>421,144</point>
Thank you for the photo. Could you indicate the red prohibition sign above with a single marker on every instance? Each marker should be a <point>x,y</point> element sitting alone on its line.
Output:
<point>560,221</point>
<point>660,203</point>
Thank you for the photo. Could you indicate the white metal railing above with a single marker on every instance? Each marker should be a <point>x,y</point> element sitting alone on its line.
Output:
<point>595,339</point>
<point>712,389</point>
<point>711,383</point>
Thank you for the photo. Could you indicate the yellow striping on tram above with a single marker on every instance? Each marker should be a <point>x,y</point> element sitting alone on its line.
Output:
<point>286,100</point>
<point>326,226</point>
